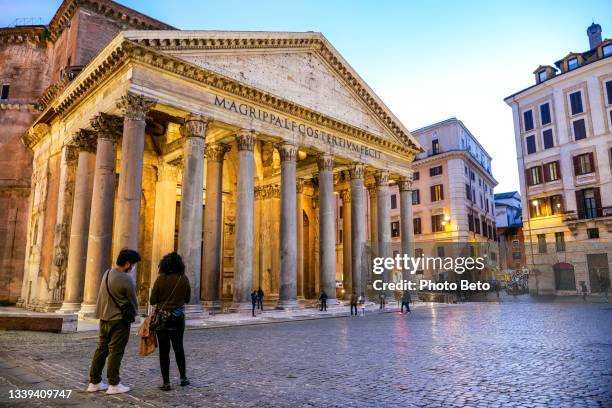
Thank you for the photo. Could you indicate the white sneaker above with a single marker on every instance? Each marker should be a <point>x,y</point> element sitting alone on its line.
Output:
<point>101,386</point>
<point>117,389</point>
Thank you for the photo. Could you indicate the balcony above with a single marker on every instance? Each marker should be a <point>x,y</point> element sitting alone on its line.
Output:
<point>575,218</point>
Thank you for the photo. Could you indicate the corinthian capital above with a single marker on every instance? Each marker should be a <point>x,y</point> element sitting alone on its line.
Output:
<point>245,139</point>
<point>216,152</point>
<point>382,178</point>
<point>357,171</point>
<point>84,140</point>
<point>346,196</point>
<point>405,184</point>
<point>195,126</point>
<point>287,152</point>
<point>325,162</point>
<point>107,126</point>
<point>134,106</point>
<point>299,186</point>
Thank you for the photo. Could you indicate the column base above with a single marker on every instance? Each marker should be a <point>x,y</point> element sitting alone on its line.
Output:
<point>211,305</point>
<point>195,311</point>
<point>87,311</point>
<point>288,305</point>
<point>241,307</point>
<point>69,308</point>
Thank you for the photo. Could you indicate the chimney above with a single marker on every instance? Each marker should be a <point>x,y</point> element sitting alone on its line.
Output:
<point>594,33</point>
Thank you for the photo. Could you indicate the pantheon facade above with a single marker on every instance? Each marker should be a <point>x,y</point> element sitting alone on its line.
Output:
<point>227,147</point>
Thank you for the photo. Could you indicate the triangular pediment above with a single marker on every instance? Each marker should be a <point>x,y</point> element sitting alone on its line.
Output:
<point>302,68</point>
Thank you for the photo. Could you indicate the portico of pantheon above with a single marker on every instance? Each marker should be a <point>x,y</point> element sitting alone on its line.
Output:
<point>227,147</point>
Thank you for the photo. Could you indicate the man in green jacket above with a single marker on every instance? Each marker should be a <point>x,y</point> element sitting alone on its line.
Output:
<point>116,289</point>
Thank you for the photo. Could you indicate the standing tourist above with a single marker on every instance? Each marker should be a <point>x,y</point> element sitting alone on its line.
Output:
<point>323,301</point>
<point>116,308</point>
<point>253,302</point>
<point>354,300</point>
<point>170,293</point>
<point>260,296</point>
<point>382,301</point>
<point>406,301</point>
<point>584,290</point>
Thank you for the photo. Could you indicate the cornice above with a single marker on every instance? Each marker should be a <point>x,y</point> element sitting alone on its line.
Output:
<point>107,8</point>
<point>314,42</point>
<point>30,107</point>
<point>20,35</point>
<point>121,51</point>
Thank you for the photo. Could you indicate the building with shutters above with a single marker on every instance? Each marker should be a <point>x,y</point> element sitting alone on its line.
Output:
<point>563,133</point>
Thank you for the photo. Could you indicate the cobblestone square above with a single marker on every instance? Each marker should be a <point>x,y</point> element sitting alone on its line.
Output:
<point>480,354</point>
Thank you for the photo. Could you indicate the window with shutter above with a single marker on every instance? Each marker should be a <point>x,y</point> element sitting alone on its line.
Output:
<point>528,120</point>
<point>545,114</point>
<point>531,145</point>
<point>580,203</point>
<point>609,92</point>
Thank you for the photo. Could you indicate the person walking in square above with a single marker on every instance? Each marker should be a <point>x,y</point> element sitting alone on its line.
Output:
<point>584,290</point>
<point>406,301</point>
<point>323,301</point>
<point>382,301</point>
<point>116,308</point>
<point>253,302</point>
<point>354,301</point>
<point>260,296</point>
<point>171,291</point>
<point>361,301</point>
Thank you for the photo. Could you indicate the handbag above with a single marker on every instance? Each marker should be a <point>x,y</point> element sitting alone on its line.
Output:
<point>128,313</point>
<point>162,318</point>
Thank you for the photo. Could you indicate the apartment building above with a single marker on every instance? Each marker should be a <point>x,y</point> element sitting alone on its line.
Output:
<point>563,133</point>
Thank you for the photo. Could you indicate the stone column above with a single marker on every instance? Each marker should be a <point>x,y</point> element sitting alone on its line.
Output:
<point>300,238</point>
<point>243,248</point>
<point>384,219</point>
<point>85,141</point>
<point>192,192</point>
<point>164,220</point>
<point>213,224</point>
<point>358,228</point>
<point>99,241</point>
<point>130,174</point>
<point>327,234</point>
<point>347,278</point>
<point>288,227</point>
<point>373,219</point>
<point>406,227</point>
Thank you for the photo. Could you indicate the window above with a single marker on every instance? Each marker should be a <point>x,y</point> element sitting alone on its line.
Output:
<point>556,204</point>
<point>493,256</point>
<point>534,175</point>
<point>516,255</point>
<point>579,129</point>
<point>572,64</point>
<point>472,175</point>
<point>588,203</point>
<point>470,222</point>
<point>4,93</point>
<point>546,206</point>
<point>593,233</point>
<point>435,146</point>
<point>576,102</point>
<point>547,137</point>
<point>609,92</point>
<point>415,197</point>
<point>583,164</point>
<point>542,243</point>
<point>607,50</point>
<point>395,229</point>
<point>531,145</point>
<point>393,201</point>
<point>552,171</point>
<point>559,241</point>
<point>477,225</point>
<point>435,171</point>
<point>516,243</point>
<point>418,252</point>
<point>528,120</point>
<point>468,192</point>
<point>416,225</point>
<point>436,223</point>
<point>542,76</point>
<point>440,251</point>
<point>485,227</point>
<point>437,192</point>
<point>415,176</point>
<point>545,114</point>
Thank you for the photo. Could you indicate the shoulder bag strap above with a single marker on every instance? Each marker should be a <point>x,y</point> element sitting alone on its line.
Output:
<point>109,292</point>
<point>171,293</point>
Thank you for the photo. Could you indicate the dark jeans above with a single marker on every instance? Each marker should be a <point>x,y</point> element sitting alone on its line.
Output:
<point>164,339</point>
<point>114,336</point>
<point>407,306</point>
<point>260,303</point>
<point>354,307</point>
<point>253,310</point>
<point>323,305</point>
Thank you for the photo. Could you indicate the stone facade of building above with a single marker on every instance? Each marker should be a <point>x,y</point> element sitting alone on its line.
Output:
<point>563,129</point>
<point>225,146</point>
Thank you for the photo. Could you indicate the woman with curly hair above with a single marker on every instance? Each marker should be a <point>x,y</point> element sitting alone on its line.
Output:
<point>170,293</point>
